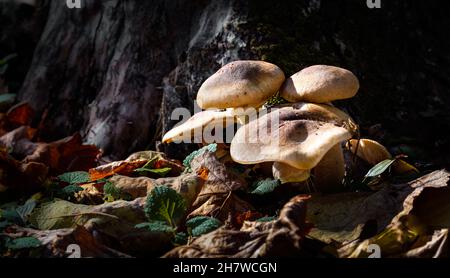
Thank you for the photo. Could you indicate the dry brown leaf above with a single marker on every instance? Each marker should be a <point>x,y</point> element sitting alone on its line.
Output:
<point>161,161</point>
<point>112,223</point>
<point>24,177</point>
<point>56,242</point>
<point>13,140</point>
<point>220,206</point>
<point>20,114</point>
<point>118,167</point>
<point>135,187</point>
<point>424,211</point>
<point>280,238</point>
<point>65,155</point>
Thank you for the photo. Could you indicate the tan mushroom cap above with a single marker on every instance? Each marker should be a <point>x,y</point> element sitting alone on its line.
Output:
<point>240,84</point>
<point>320,84</point>
<point>196,124</point>
<point>368,150</point>
<point>286,173</point>
<point>304,134</point>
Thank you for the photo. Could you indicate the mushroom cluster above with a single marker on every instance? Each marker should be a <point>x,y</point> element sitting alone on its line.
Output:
<point>301,139</point>
<point>227,94</point>
<point>309,132</point>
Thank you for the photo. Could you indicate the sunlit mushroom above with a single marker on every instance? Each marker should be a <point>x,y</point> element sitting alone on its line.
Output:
<point>296,138</point>
<point>320,84</point>
<point>228,94</point>
<point>368,150</point>
<point>240,84</point>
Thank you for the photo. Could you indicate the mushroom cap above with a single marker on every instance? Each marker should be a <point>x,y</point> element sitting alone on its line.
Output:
<point>320,84</point>
<point>299,136</point>
<point>240,84</point>
<point>195,125</point>
<point>286,173</point>
<point>368,150</point>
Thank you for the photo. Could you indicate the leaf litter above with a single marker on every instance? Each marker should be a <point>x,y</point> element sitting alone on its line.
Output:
<point>56,194</point>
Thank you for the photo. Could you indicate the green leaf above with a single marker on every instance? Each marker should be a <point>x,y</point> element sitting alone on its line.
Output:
<point>25,210</point>
<point>200,225</point>
<point>155,226</point>
<point>180,239</point>
<point>380,168</point>
<point>113,193</point>
<point>110,189</point>
<point>265,186</point>
<point>161,172</point>
<point>210,148</point>
<point>23,243</point>
<point>75,177</point>
<point>11,215</point>
<point>165,204</point>
<point>68,191</point>
<point>266,219</point>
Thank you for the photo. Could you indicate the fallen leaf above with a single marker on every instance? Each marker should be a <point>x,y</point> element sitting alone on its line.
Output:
<point>20,114</point>
<point>424,211</point>
<point>119,167</point>
<point>136,187</point>
<point>280,238</point>
<point>55,243</point>
<point>65,155</point>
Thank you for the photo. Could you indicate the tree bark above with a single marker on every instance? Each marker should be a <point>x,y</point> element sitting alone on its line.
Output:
<point>116,69</point>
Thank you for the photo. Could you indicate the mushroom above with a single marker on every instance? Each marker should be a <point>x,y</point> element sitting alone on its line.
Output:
<point>373,153</point>
<point>297,140</point>
<point>240,84</point>
<point>368,150</point>
<point>320,84</point>
<point>193,128</point>
<point>235,87</point>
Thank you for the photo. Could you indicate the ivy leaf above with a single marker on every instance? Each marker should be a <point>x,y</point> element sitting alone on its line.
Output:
<point>187,161</point>
<point>23,243</point>
<point>165,204</point>
<point>266,219</point>
<point>69,191</point>
<point>200,225</point>
<point>75,177</point>
<point>380,168</point>
<point>155,226</point>
<point>265,186</point>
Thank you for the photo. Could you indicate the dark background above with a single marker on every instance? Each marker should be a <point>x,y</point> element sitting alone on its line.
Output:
<point>114,70</point>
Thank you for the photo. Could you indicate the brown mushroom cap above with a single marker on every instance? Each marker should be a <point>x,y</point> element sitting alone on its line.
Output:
<point>320,84</point>
<point>240,84</point>
<point>195,125</point>
<point>304,134</point>
<point>368,150</point>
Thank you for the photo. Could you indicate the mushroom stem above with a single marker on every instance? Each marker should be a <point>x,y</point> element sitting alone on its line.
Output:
<point>286,173</point>
<point>330,171</point>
